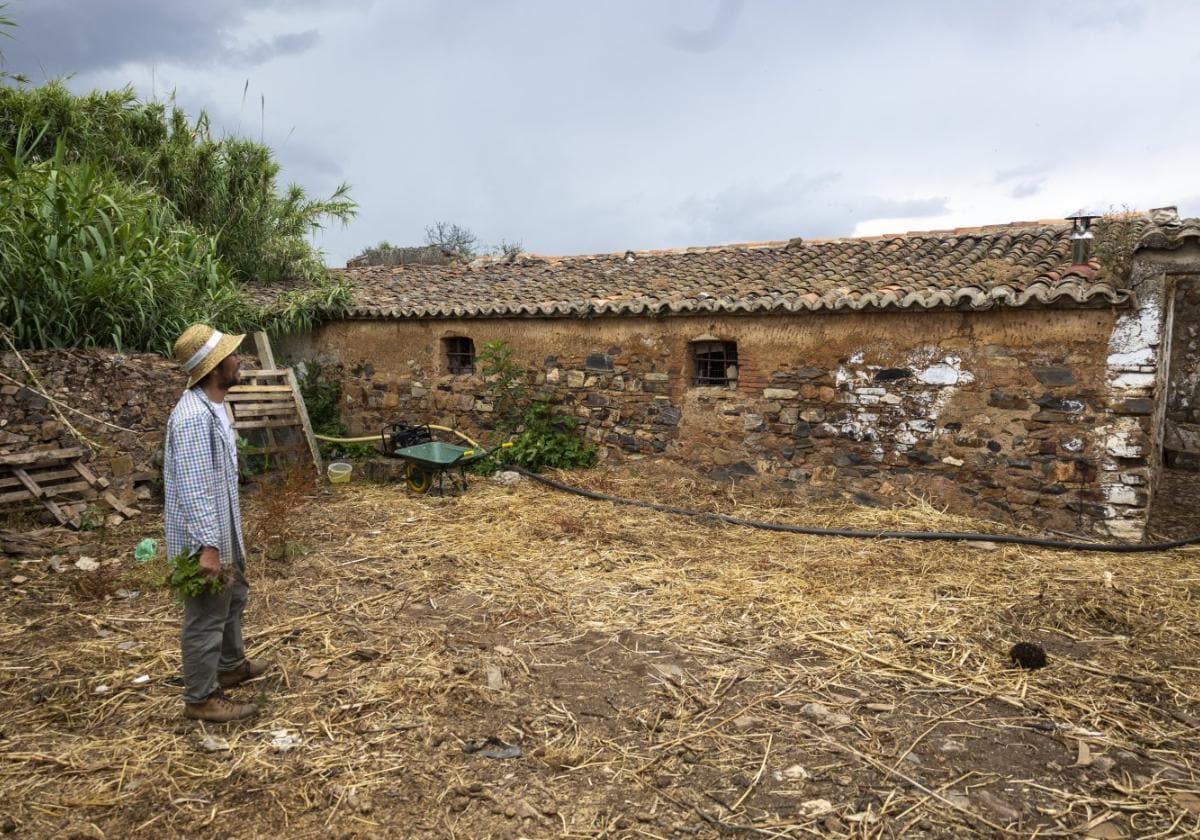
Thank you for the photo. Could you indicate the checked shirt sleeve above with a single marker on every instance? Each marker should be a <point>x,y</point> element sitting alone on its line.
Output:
<point>196,475</point>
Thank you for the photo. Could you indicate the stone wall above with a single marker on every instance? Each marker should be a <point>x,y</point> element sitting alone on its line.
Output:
<point>132,391</point>
<point>1033,416</point>
<point>1181,441</point>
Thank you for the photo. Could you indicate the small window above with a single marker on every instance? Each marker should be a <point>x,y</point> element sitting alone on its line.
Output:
<point>716,363</point>
<point>460,354</point>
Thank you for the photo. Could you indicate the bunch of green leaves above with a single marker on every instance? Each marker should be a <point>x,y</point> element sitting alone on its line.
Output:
<point>225,187</point>
<point>185,579</point>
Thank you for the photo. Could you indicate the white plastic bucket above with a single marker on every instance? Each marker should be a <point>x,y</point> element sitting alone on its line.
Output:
<point>339,472</point>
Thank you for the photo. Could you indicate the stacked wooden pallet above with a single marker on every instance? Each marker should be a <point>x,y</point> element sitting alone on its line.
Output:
<point>58,480</point>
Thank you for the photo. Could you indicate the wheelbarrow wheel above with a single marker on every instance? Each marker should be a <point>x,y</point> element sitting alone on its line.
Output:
<point>419,478</point>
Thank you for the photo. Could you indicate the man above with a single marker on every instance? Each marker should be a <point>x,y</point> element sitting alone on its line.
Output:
<point>203,518</point>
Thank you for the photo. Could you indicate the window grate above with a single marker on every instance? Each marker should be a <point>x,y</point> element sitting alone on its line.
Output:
<point>716,363</point>
<point>460,354</point>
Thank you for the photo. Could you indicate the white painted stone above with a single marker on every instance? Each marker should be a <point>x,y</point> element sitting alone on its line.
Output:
<point>890,399</point>
<point>873,392</point>
<point>1143,356</point>
<point>1072,445</point>
<point>553,375</point>
<point>1133,479</point>
<point>920,425</point>
<point>1138,330</point>
<point>857,358</point>
<point>1120,446</point>
<point>954,462</point>
<point>1120,494</point>
<point>939,374</point>
<point>1133,381</point>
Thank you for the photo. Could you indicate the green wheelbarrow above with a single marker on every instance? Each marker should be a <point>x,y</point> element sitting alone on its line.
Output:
<point>425,462</point>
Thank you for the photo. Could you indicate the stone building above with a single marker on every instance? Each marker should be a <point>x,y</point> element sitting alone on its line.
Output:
<point>988,369</point>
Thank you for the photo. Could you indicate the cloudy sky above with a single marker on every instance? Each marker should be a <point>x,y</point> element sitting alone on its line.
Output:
<point>577,126</point>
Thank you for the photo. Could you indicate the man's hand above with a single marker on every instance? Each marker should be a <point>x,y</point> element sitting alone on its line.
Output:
<point>210,561</point>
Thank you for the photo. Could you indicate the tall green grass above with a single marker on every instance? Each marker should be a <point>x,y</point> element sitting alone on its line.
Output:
<point>87,259</point>
<point>225,187</point>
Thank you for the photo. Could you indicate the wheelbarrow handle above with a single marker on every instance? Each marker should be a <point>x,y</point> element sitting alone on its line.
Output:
<point>470,452</point>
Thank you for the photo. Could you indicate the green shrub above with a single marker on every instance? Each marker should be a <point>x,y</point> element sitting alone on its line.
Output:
<point>545,439</point>
<point>548,440</point>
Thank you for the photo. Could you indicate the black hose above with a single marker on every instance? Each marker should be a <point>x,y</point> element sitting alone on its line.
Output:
<point>1113,548</point>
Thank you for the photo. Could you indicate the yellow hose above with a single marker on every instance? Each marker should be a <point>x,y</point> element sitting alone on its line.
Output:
<point>377,438</point>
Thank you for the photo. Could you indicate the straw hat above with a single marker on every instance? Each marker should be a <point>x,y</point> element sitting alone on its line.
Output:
<point>201,348</point>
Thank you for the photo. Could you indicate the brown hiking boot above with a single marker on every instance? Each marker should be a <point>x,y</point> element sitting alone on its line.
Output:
<point>248,670</point>
<point>217,708</point>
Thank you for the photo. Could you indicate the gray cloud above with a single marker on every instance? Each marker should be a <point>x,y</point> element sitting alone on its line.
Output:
<point>59,37</point>
<point>1130,17</point>
<point>712,36</point>
<point>1029,179</point>
<point>812,207</point>
<point>1027,188</point>
<point>1023,172</point>
<point>289,43</point>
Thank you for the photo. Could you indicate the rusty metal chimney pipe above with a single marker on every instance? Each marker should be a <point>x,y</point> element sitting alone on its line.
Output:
<point>1081,237</point>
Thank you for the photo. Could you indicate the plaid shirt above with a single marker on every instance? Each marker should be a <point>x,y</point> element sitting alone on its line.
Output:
<point>200,481</point>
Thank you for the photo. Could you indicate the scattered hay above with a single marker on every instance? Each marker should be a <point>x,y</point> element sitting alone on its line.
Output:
<point>661,676</point>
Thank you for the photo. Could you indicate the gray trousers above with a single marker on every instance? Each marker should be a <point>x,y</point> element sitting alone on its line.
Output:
<point>212,634</point>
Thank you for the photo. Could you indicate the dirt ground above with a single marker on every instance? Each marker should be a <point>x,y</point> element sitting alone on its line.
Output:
<point>660,677</point>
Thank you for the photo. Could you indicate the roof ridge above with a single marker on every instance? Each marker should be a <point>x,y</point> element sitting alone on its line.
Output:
<point>781,243</point>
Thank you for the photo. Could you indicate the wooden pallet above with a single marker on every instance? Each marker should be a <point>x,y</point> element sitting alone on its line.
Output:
<point>58,480</point>
<point>267,410</point>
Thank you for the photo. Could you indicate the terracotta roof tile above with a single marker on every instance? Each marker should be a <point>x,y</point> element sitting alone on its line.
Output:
<point>1023,263</point>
